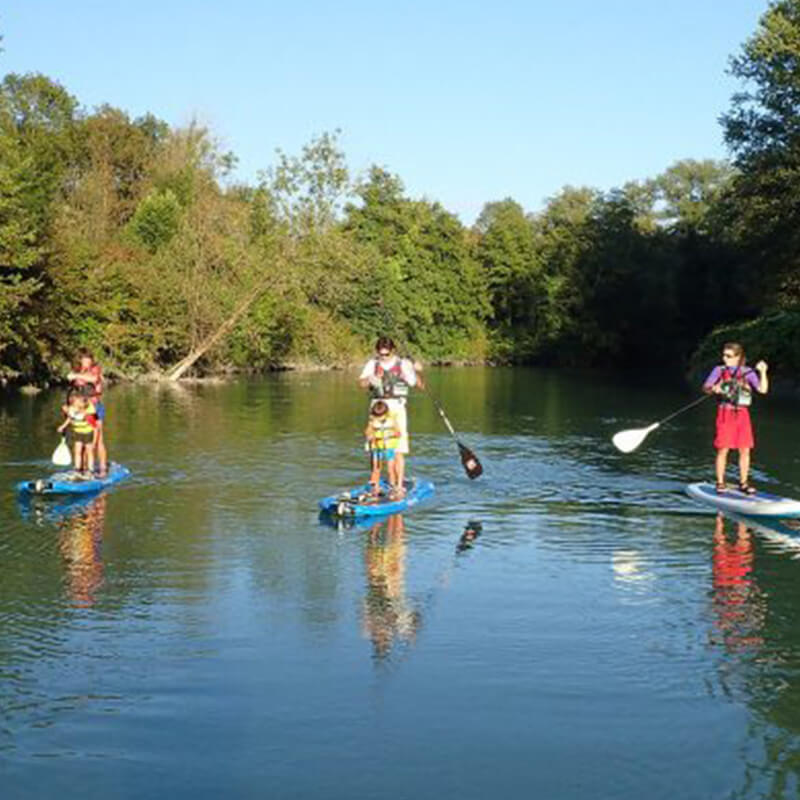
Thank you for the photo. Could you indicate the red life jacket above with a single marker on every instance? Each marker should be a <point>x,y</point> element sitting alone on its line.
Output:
<point>737,390</point>
<point>94,391</point>
<point>393,384</point>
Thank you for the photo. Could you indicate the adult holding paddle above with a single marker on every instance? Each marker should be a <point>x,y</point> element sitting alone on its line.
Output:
<point>87,378</point>
<point>389,378</point>
<point>733,382</point>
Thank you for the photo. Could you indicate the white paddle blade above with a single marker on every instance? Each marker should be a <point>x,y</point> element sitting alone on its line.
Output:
<point>61,455</point>
<point>628,441</point>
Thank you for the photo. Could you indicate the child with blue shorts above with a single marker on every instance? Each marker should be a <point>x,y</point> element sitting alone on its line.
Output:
<point>383,436</point>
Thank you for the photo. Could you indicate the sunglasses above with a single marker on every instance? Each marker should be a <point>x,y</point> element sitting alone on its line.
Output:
<point>384,353</point>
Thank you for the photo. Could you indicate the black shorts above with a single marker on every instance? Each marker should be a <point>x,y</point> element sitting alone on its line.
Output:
<point>83,438</point>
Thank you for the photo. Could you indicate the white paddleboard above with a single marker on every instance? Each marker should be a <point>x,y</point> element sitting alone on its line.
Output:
<point>759,504</point>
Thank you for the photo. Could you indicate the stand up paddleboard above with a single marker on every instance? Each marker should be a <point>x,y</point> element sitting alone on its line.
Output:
<point>759,504</point>
<point>359,502</point>
<point>72,482</point>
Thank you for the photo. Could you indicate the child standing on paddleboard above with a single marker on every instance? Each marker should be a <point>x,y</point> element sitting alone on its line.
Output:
<point>383,436</point>
<point>733,382</point>
<point>82,422</point>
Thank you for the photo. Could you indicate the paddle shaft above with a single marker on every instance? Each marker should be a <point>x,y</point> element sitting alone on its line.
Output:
<point>684,408</point>
<point>439,408</point>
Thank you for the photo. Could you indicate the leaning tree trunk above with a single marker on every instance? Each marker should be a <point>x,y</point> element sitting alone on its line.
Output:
<point>184,364</point>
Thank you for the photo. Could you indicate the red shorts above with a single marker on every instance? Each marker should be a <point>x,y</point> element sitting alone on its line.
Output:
<point>733,428</point>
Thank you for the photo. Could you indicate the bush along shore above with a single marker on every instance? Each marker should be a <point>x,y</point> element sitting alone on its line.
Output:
<point>132,239</point>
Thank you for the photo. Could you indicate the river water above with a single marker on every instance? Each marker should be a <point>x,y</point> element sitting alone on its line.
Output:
<point>197,632</point>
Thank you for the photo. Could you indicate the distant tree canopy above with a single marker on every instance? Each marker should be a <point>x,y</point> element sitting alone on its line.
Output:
<point>126,236</point>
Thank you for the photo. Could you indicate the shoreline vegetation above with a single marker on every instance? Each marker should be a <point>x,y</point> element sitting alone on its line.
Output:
<point>131,238</point>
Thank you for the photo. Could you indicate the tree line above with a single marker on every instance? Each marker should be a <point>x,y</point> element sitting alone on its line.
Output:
<point>129,237</point>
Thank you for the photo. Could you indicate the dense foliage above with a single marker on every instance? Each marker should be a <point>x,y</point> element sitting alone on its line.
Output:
<point>128,237</point>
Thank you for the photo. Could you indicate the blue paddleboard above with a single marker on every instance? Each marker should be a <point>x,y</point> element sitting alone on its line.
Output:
<point>359,502</point>
<point>760,504</point>
<point>72,482</point>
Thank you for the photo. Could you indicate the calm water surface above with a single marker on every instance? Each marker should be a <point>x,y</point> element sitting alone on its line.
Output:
<point>196,632</point>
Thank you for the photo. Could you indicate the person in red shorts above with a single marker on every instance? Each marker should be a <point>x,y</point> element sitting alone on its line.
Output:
<point>734,382</point>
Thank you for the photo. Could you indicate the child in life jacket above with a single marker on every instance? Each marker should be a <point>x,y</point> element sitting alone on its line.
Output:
<point>82,422</point>
<point>383,435</point>
<point>733,382</point>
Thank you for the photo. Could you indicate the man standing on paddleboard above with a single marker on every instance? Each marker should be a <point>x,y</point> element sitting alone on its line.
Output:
<point>389,378</point>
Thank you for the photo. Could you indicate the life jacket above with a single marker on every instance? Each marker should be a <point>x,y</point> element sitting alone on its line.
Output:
<point>384,433</point>
<point>83,421</point>
<point>736,391</point>
<point>91,390</point>
<point>393,384</point>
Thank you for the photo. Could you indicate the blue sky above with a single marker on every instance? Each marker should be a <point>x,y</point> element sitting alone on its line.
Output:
<point>467,102</point>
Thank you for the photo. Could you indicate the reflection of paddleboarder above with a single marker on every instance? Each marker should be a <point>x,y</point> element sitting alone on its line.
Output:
<point>738,604</point>
<point>81,542</point>
<point>388,615</point>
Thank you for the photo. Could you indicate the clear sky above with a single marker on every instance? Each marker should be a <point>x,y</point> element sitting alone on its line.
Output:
<point>467,102</point>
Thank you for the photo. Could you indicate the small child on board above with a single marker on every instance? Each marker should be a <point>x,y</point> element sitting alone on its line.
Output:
<point>734,383</point>
<point>82,422</point>
<point>383,435</point>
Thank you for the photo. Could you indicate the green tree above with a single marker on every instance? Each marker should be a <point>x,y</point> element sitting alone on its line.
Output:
<point>507,252</point>
<point>427,285</point>
<point>762,128</point>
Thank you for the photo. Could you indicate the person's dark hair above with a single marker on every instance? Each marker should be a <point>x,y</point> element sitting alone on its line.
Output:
<point>379,408</point>
<point>84,352</point>
<point>384,343</point>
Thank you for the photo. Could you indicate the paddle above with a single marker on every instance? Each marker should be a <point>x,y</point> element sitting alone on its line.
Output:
<point>472,466</point>
<point>62,457</point>
<point>470,462</point>
<point>628,441</point>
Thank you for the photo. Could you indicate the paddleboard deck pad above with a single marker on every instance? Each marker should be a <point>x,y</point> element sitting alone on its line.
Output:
<point>359,502</point>
<point>760,504</point>
<point>72,483</point>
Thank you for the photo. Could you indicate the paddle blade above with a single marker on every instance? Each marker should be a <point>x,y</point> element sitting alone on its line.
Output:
<point>470,461</point>
<point>628,441</point>
<point>61,455</point>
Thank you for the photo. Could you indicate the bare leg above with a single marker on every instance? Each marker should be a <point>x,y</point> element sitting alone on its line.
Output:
<point>77,456</point>
<point>375,473</point>
<point>721,463</point>
<point>744,464</point>
<point>100,445</point>
<point>400,467</point>
<point>392,469</point>
<point>89,459</point>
